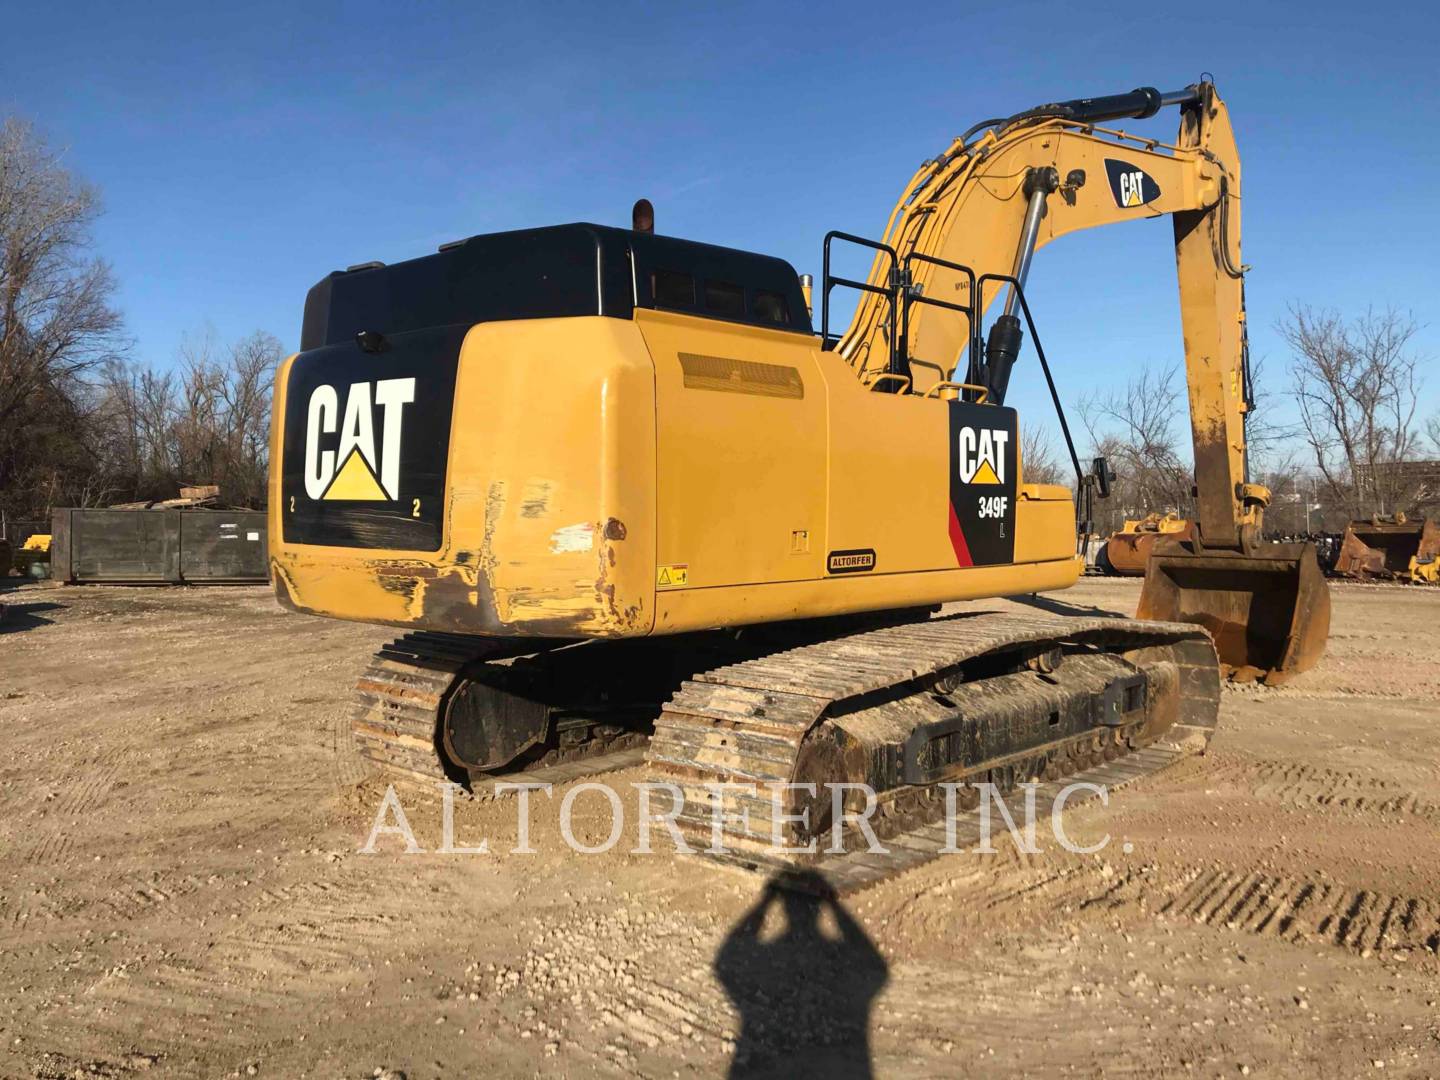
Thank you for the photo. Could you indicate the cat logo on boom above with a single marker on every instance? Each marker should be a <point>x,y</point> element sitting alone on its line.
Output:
<point>982,455</point>
<point>354,472</point>
<point>1131,185</point>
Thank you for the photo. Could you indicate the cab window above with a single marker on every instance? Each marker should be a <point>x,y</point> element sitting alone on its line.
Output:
<point>769,307</point>
<point>725,299</point>
<point>671,288</point>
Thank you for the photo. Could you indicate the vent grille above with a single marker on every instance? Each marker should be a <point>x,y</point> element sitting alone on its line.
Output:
<point>740,376</point>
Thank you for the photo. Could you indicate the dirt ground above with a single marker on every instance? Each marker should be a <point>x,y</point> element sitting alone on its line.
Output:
<point>183,894</point>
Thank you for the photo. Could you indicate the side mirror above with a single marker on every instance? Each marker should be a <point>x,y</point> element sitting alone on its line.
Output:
<point>1100,470</point>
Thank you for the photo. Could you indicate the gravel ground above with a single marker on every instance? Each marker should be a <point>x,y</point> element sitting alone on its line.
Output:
<point>183,892</point>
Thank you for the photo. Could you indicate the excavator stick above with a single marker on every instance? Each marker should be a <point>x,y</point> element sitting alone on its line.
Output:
<point>1268,609</point>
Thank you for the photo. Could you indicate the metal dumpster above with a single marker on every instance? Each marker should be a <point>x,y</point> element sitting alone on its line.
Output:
<point>160,546</point>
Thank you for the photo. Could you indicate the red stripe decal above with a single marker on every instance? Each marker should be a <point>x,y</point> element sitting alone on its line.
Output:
<point>957,540</point>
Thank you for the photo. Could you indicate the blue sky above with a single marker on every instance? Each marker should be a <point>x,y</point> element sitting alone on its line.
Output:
<point>244,151</point>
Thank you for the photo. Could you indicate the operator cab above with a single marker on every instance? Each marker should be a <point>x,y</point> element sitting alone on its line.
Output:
<point>549,273</point>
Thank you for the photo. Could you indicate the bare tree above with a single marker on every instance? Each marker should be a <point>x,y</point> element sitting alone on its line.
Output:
<point>134,433</point>
<point>1356,386</point>
<point>79,424</point>
<point>245,399</point>
<point>1135,429</point>
<point>207,422</point>
<point>196,434</point>
<point>1038,457</point>
<point>56,321</point>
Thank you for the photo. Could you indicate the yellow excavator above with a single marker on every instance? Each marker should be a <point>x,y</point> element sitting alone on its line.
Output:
<point>619,492</point>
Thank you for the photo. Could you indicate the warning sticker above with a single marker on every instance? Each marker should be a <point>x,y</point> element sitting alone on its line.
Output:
<point>673,577</point>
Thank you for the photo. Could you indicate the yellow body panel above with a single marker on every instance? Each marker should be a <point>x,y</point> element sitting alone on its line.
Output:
<point>613,478</point>
<point>741,450</point>
<point>550,510</point>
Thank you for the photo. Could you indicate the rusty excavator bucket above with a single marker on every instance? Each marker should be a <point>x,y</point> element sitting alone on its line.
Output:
<point>1268,610</point>
<point>1390,547</point>
<point>1127,551</point>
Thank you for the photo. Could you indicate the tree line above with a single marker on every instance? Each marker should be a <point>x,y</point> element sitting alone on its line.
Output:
<point>81,422</point>
<point>1357,449</point>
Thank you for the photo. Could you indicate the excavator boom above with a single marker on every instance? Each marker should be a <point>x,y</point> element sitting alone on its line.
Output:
<point>977,214</point>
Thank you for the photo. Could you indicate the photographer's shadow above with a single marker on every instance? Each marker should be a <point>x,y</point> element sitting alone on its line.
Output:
<point>804,994</point>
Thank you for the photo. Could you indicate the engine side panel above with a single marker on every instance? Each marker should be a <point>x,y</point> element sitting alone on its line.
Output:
<point>787,489</point>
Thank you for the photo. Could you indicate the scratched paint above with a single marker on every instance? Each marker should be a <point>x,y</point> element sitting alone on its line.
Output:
<point>573,538</point>
<point>535,497</point>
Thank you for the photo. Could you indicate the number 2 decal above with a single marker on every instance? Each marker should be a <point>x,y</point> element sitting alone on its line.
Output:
<point>414,508</point>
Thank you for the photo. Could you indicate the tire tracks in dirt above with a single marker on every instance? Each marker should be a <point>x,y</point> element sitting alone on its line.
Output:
<point>1297,784</point>
<point>49,842</point>
<point>1025,890</point>
<point>1303,911</point>
<point>1296,909</point>
<point>346,765</point>
<point>53,836</point>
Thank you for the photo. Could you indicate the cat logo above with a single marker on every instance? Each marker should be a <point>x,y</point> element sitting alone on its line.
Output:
<point>361,475</point>
<point>1131,185</point>
<point>982,455</point>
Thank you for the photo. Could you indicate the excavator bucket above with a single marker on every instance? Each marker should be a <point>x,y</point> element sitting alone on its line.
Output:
<point>1128,550</point>
<point>1390,548</point>
<point>1268,611</point>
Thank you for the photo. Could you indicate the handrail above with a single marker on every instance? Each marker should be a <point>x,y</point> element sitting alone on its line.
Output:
<point>936,388</point>
<point>899,288</point>
<point>828,282</point>
<point>913,296</point>
<point>881,376</point>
